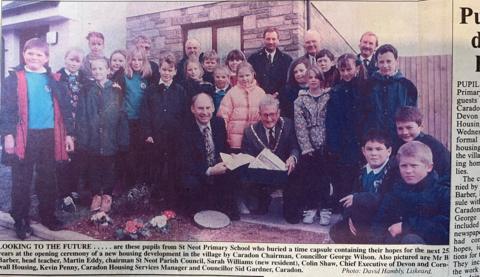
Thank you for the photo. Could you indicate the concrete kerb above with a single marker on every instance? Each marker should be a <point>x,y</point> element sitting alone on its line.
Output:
<point>42,232</point>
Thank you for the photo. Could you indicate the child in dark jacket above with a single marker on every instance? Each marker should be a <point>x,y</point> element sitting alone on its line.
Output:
<point>326,62</point>
<point>209,63</point>
<point>296,82</point>
<point>409,127</point>
<point>344,123</point>
<point>388,91</point>
<point>102,130</point>
<point>194,84</point>
<point>163,112</point>
<point>36,126</point>
<point>370,185</point>
<point>69,173</point>
<point>417,209</point>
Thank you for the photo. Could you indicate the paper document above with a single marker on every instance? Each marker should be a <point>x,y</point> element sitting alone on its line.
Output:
<point>236,160</point>
<point>267,160</point>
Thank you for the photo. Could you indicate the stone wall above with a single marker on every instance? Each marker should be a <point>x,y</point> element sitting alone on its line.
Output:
<point>165,27</point>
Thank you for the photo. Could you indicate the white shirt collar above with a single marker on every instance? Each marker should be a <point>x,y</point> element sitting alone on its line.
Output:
<point>368,59</point>
<point>267,132</point>
<point>203,126</point>
<point>271,53</point>
<point>70,73</point>
<point>165,84</point>
<point>375,170</point>
<point>224,89</point>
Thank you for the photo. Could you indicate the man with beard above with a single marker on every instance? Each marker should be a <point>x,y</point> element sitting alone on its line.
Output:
<point>193,50</point>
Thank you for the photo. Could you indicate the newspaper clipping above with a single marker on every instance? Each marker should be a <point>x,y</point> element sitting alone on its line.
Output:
<point>438,43</point>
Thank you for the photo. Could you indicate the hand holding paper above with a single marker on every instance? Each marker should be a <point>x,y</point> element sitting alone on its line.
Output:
<point>236,160</point>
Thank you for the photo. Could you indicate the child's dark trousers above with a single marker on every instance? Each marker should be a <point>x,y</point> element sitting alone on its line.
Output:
<point>39,157</point>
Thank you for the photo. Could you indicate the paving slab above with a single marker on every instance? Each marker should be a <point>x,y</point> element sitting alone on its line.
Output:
<point>9,235</point>
<point>274,218</point>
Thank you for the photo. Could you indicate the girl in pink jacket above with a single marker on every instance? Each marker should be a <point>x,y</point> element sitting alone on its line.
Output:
<point>239,107</point>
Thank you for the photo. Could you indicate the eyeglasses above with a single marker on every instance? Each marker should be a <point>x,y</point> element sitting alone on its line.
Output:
<point>271,115</point>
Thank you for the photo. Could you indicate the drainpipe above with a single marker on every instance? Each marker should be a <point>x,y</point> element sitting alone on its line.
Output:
<point>308,13</point>
<point>3,61</point>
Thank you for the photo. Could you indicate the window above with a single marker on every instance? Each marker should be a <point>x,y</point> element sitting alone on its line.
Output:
<point>221,35</point>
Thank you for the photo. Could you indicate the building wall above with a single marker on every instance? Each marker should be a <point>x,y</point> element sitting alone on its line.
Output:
<point>416,28</point>
<point>11,47</point>
<point>331,39</point>
<point>165,27</point>
<point>72,21</point>
<point>432,76</point>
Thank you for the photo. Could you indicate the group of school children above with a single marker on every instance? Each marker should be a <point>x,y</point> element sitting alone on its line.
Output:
<point>118,120</point>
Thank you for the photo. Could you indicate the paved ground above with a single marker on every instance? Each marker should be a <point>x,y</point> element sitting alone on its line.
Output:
<point>274,218</point>
<point>9,234</point>
<point>6,222</point>
<point>5,187</point>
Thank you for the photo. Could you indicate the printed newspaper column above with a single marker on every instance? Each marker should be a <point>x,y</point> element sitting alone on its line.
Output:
<point>465,209</point>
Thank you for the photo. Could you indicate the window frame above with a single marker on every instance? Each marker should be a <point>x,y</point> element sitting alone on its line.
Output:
<point>214,25</point>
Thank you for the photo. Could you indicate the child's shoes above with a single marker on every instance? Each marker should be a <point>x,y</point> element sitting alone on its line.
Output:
<point>309,216</point>
<point>96,203</point>
<point>23,229</point>
<point>325,217</point>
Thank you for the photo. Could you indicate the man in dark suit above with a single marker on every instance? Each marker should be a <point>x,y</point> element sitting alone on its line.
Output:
<point>277,134</point>
<point>204,177</point>
<point>270,64</point>
<point>368,44</point>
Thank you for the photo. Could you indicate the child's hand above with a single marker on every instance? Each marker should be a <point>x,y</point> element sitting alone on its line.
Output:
<point>116,85</point>
<point>353,230</point>
<point>9,144</point>
<point>290,164</point>
<point>275,94</point>
<point>395,229</point>
<point>149,140</point>
<point>347,200</point>
<point>70,145</point>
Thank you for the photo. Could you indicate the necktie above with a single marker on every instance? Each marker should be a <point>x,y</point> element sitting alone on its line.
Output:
<point>271,139</point>
<point>73,84</point>
<point>209,147</point>
<point>269,57</point>
<point>163,87</point>
<point>312,60</point>
<point>368,182</point>
<point>365,62</point>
